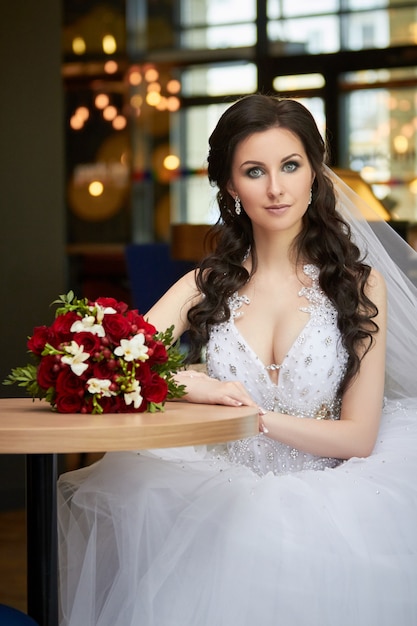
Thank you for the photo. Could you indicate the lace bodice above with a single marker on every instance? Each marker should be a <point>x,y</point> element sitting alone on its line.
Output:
<point>308,380</point>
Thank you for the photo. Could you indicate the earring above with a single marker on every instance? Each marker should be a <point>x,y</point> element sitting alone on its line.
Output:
<point>238,207</point>
<point>311,197</point>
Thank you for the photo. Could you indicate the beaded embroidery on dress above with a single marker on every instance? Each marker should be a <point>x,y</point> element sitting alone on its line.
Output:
<point>308,381</point>
<point>197,537</point>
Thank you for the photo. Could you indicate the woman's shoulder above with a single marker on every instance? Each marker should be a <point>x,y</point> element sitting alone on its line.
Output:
<point>375,285</point>
<point>376,291</point>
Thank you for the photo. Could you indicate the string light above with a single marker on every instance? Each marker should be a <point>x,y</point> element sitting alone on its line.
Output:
<point>110,67</point>
<point>95,188</point>
<point>109,44</point>
<point>78,45</point>
<point>101,100</point>
<point>109,113</point>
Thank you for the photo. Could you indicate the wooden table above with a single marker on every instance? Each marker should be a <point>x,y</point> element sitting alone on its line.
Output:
<point>31,428</point>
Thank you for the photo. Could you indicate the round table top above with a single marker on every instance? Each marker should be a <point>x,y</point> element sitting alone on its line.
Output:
<point>31,427</point>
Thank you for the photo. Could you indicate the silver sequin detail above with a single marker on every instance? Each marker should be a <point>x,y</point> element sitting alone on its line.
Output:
<point>308,381</point>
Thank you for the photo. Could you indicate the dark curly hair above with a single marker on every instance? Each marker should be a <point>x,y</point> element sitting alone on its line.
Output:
<point>325,239</point>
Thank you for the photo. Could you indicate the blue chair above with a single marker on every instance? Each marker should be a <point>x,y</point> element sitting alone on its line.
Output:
<point>13,617</point>
<point>151,271</point>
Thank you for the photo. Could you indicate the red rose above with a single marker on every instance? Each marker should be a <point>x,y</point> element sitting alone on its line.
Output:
<point>68,402</point>
<point>68,382</point>
<point>41,336</point>
<point>90,342</point>
<point>144,373</point>
<point>61,326</point>
<point>158,352</point>
<point>103,369</point>
<point>156,390</point>
<point>120,307</point>
<point>116,326</point>
<point>146,328</point>
<point>48,371</point>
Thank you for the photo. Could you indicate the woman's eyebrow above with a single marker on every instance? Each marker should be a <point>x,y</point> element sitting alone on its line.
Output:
<point>286,158</point>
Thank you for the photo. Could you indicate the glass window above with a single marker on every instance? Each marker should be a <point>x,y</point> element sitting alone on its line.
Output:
<point>298,82</point>
<point>230,36</point>
<point>218,23</point>
<point>380,143</point>
<point>215,80</point>
<point>376,4</point>
<point>300,28</point>
<point>306,7</point>
<point>193,198</point>
<point>195,12</point>
<point>310,35</point>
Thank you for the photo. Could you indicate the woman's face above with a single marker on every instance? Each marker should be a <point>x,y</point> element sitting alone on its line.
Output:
<point>272,176</point>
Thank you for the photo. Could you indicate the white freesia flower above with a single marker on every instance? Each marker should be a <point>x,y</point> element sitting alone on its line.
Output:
<point>75,357</point>
<point>101,311</point>
<point>134,395</point>
<point>100,386</point>
<point>88,325</point>
<point>133,349</point>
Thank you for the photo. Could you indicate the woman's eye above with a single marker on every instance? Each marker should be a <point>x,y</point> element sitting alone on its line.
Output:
<point>255,172</point>
<point>291,166</point>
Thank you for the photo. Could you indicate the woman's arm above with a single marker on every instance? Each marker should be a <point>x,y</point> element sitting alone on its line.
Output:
<point>172,309</point>
<point>356,431</point>
<point>174,305</point>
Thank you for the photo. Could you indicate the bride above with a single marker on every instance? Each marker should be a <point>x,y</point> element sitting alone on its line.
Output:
<point>304,315</point>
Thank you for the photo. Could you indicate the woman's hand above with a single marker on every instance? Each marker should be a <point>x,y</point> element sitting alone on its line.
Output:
<point>202,389</point>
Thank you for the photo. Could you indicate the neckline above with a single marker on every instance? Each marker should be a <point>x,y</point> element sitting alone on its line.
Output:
<point>310,271</point>
<point>264,367</point>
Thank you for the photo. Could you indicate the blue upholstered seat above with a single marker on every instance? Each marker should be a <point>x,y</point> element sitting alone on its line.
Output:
<point>152,270</point>
<point>13,617</point>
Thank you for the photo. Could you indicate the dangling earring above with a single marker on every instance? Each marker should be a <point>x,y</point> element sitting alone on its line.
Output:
<point>238,207</point>
<point>311,197</point>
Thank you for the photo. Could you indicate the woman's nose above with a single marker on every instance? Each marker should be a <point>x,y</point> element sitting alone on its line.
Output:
<point>274,186</point>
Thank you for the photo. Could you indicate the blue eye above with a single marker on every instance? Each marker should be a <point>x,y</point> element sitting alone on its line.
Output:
<point>254,172</point>
<point>291,166</point>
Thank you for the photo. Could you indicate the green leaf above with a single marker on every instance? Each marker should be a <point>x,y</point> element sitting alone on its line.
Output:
<point>154,407</point>
<point>26,377</point>
<point>69,302</point>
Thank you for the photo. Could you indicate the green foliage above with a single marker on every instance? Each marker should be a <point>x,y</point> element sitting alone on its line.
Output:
<point>168,369</point>
<point>26,377</point>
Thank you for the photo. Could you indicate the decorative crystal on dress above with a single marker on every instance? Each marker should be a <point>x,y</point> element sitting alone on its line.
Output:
<point>306,387</point>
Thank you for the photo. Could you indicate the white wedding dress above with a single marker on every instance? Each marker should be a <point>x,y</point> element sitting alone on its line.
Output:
<point>256,532</point>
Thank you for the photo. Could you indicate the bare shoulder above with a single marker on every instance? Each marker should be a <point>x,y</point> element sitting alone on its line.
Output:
<point>173,307</point>
<point>376,287</point>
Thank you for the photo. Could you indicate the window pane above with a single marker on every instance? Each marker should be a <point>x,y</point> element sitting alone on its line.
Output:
<point>307,7</point>
<point>376,4</point>
<point>231,36</point>
<point>193,197</point>
<point>368,77</point>
<point>305,35</point>
<point>221,80</point>
<point>380,29</point>
<point>381,127</point>
<point>218,23</point>
<point>195,12</point>
<point>297,82</point>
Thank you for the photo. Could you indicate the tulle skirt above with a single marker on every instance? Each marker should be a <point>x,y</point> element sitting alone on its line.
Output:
<point>182,537</point>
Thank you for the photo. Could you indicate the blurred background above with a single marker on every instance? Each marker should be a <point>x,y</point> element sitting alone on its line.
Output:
<point>105,113</point>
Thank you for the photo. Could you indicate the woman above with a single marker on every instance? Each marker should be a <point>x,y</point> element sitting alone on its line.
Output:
<point>294,322</point>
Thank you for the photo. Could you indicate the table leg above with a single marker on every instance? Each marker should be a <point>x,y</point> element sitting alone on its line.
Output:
<point>42,556</point>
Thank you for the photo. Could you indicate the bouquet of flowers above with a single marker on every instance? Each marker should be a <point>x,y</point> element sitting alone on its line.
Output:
<point>100,357</point>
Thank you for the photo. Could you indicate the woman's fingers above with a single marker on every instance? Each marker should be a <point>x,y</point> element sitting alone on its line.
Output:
<point>202,389</point>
